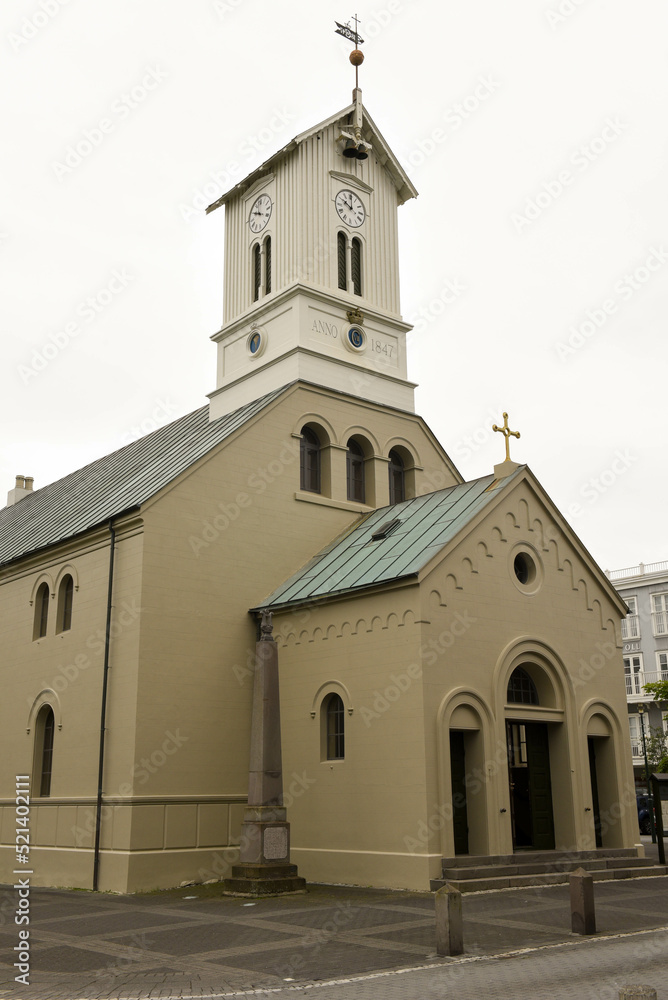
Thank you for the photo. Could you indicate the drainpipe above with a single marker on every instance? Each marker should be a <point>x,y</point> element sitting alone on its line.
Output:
<point>103,712</point>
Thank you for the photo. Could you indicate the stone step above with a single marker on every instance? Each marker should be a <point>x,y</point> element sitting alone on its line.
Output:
<point>629,862</point>
<point>638,872</point>
<point>535,857</point>
<point>547,868</point>
<point>546,878</point>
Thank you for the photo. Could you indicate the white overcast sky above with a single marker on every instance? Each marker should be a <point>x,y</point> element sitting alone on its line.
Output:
<point>535,257</point>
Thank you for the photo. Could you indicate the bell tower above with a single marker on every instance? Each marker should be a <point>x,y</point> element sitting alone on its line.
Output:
<point>311,276</point>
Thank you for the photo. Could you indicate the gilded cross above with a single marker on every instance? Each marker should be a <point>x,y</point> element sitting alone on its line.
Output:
<point>505,430</point>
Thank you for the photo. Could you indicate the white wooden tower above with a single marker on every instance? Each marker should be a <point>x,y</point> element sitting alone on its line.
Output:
<point>311,281</point>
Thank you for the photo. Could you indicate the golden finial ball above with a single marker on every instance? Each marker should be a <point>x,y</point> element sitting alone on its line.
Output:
<point>357,57</point>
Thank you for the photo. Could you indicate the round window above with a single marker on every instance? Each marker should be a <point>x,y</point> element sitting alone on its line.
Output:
<point>527,570</point>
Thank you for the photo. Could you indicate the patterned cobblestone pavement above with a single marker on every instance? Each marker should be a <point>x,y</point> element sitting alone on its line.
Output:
<point>193,942</point>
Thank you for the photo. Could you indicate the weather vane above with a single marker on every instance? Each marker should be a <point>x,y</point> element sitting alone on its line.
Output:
<point>505,430</point>
<point>353,35</point>
<point>355,147</point>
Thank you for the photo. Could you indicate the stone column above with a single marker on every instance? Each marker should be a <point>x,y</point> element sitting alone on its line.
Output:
<point>264,856</point>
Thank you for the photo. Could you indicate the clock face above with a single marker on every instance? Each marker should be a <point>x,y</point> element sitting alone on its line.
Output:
<point>260,213</point>
<point>350,208</point>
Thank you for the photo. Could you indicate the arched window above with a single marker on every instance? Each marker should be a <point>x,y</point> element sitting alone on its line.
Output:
<point>43,760</point>
<point>257,272</point>
<point>334,718</point>
<point>397,477</point>
<point>341,261</point>
<point>521,688</point>
<point>356,265</point>
<point>355,471</point>
<point>309,461</point>
<point>65,594</point>
<point>41,612</point>
<point>267,265</point>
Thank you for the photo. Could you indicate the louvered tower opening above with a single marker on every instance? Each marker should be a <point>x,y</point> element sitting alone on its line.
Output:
<point>257,272</point>
<point>267,265</point>
<point>356,265</point>
<point>341,257</point>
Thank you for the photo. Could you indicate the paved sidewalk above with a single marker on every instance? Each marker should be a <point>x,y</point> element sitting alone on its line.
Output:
<point>193,942</point>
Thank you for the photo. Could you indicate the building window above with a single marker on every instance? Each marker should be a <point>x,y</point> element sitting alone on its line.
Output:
<point>636,737</point>
<point>309,461</point>
<point>633,675</point>
<point>631,624</point>
<point>267,265</point>
<point>662,666</point>
<point>257,272</point>
<point>660,614</point>
<point>65,595</point>
<point>356,265</point>
<point>44,729</point>
<point>355,471</point>
<point>397,477</point>
<point>334,720</point>
<point>41,612</point>
<point>341,261</point>
<point>521,688</point>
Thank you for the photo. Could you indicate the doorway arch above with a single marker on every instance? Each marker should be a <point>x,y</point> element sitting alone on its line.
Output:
<point>466,773</point>
<point>535,707</point>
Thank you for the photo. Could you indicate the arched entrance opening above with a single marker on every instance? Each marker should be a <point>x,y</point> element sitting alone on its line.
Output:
<point>530,692</point>
<point>605,808</point>
<point>468,785</point>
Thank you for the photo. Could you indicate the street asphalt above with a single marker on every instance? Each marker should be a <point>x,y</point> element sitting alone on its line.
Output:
<point>347,942</point>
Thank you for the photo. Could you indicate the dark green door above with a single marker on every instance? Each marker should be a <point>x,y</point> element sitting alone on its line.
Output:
<point>458,774</point>
<point>530,786</point>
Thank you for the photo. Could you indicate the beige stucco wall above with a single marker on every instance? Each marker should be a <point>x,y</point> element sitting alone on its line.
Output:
<point>413,662</point>
<point>483,624</point>
<point>65,670</point>
<point>205,550</point>
<point>410,662</point>
<point>345,814</point>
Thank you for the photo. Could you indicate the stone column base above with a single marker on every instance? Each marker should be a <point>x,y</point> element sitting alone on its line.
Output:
<point>264,867</point>
<point>264,880</point>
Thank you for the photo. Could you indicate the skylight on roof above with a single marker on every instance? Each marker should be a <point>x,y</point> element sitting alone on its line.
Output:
<point>385,529</point>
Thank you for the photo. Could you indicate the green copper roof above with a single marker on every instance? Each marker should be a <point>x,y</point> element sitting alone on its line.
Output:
<point>356,559</point>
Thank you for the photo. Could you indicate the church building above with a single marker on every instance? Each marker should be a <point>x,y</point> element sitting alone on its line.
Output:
<point>450,662</point>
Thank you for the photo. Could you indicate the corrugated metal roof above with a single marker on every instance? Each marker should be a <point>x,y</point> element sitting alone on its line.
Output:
<point>381,149</point>
<point>118,482</point>
<point>355,560</point>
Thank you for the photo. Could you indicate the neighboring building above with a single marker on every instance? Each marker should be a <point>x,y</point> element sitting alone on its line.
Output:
<point>645,637</point>
<point>450,654</point>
